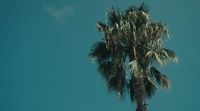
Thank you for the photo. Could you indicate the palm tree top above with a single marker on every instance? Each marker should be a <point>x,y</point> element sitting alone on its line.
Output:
<point>130,51</point>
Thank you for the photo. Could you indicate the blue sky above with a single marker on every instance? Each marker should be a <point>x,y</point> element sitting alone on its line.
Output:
<point>43,55</point>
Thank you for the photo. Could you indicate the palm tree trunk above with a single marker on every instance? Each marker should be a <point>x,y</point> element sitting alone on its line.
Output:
<point>139,94</point>
<point>138,85</point>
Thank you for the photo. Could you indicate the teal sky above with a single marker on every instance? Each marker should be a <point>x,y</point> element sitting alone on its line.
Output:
<point>43,55</point>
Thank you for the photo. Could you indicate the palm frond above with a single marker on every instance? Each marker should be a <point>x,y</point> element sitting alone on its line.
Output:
<point>105,69</point>
<point>114,16</point>
<point>143,7</point>
<point>144,17</point>
<point>118,81</point>
<point>160,78</point>
<point>133,66</point>
<point>154,57</point>
<point>161,56</point>
<point>131,89</point>
<point>99,52</point>
<point>157,30</point>
<point>150,87</point>
<point>166,55</point>
<point>101,27</point>
<point>171,55</point>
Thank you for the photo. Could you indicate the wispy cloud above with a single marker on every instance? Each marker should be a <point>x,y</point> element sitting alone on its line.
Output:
<point>60,13</point>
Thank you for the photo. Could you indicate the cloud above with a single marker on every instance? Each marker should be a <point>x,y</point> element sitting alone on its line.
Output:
<point>60,13</point>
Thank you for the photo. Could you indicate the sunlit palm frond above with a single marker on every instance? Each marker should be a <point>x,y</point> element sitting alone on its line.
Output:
<point>161,56</point>
<point>157,30</point>
<point>160,78</point>
<point>99,52</point>
<point>153,57</point>
<point>165,56</point>
<point>134,66</point>
<point>171,55</point>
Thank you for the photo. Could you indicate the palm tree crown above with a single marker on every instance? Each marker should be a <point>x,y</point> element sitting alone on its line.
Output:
<point>130,51</point>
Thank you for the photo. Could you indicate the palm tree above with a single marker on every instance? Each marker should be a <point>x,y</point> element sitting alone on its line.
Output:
<point>130,52</point>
